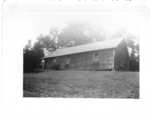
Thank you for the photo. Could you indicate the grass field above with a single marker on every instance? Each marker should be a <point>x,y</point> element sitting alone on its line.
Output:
<point>87,84</point>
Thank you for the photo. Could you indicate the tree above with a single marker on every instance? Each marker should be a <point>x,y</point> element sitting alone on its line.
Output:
<point>47,42</point>
<point>133,49</point>
<point>73,34</point>
<point>27,58</point>
<point>28,46</point>
<point>77,33</point>
<point>32,57</point>
<point>134,62</point>
<point>122,57</point>
<point>134,55</point>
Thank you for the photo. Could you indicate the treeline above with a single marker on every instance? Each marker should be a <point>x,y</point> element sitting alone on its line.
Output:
<point>71,35</point>
<point>75,33</point>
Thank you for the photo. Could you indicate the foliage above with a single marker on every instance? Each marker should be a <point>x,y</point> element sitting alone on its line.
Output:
<point>73,34</point>
<point>121,57</point>
<point>134,62</point>
<point>134,55</point>
<point>77,33</point>
<point>32,58</point>
<point>47,42</point>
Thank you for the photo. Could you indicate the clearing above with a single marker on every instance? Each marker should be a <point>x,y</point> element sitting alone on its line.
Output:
<point>82,84</point>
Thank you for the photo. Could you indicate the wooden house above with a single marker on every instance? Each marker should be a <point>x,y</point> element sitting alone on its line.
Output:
<point>104,55</point>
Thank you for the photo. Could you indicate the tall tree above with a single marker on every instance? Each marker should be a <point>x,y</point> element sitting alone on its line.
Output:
<point>134,55</point>
<point>122,57</point>
<point>47,42</point>
<point>32,57</point>
<point>77,33</point>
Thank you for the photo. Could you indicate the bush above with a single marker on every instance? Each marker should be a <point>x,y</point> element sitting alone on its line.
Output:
<point>32,60</point>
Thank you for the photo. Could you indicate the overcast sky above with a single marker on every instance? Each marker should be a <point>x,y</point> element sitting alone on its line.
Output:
<point>28,21</point>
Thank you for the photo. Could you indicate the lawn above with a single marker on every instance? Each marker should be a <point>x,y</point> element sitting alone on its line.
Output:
<point>82,84</point>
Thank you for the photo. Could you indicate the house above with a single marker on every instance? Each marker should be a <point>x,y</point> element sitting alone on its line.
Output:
<point>104,55</point>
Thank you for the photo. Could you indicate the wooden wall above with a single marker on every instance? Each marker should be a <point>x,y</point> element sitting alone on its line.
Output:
<point>95,60</point>
<point>108,59</point>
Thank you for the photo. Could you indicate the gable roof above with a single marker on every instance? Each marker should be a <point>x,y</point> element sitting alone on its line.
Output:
<point>107,44</point>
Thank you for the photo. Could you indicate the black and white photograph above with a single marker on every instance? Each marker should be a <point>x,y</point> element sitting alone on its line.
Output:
<point>72,58</point>
<point>80,52</point>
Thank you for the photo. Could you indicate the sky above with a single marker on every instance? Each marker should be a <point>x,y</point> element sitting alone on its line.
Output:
<point>28,21</point>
